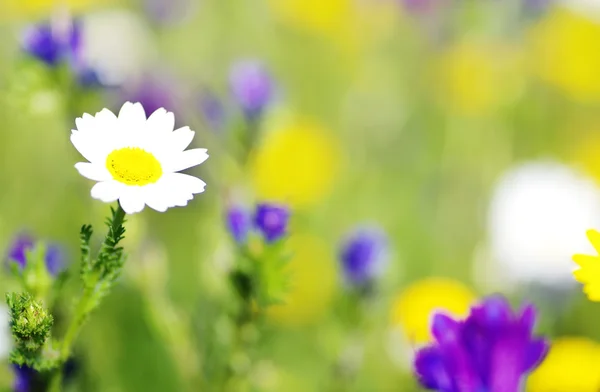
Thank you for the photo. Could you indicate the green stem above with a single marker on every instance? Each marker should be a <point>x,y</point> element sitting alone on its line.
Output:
<point>56,381</point>
<point>85,305</point>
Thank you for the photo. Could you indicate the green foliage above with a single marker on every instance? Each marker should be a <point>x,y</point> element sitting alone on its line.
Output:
<point>30,325</point>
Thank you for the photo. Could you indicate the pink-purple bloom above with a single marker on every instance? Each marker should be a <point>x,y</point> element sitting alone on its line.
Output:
<point>251,86</point>
<point>271,220</point>
<point>492,350</point>
<point>24,243</point>
<point>363,256</point>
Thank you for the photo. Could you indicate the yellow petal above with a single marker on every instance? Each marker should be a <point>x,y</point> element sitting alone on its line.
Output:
<point>594,238</point>
<point>586,261</point>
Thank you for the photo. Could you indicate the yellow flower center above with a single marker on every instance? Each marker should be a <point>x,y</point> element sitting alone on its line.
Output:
<point>133,166</point>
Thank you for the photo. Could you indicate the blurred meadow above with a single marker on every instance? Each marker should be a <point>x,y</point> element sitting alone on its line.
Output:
<point>466,133</point>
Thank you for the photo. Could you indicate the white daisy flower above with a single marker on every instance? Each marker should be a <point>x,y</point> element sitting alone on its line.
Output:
<point>5,332</point>
<point>135,160</point>
<point>538,216</point>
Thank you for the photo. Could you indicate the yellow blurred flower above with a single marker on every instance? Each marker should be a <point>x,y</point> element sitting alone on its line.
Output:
<point>586,152</point>
<point>571,366</point>
<point>351,25</point>
<point>313,280</point>
<point>16,9</point>
<point>414,307</point>
<point>295,164</point>
<point>589,273</point>
<point>319,15</point>
<point>475,78</point>
<point>566,53</point>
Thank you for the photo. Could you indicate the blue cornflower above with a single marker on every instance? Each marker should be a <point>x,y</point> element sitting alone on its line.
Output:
<point>55,258</point>
<point>23,379</point>
<point>251,86</point>
<point>271,220</point>
<point>491,351</point>
<point>55,43</point>
<point>239,223</point>
<point>49,44</point>
<point>363,256</point>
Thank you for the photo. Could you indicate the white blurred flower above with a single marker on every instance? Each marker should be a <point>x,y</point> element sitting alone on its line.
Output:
<point>589,8</point>
<point>5,335</point>
<point>538,217</point>
<point>117,45</point>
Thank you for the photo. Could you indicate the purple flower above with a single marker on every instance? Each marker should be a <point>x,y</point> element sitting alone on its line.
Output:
<point>212,110</point>
<point>60,41</point>
<point>251,86</point>
<point>239,223</point>
<point>272,221</point>
<point>363,256</point>
<point>23,379</point>
<point>153,91</point>
<point>492,350</point>
<point>55,258</point>
<point>170,12</point>
<point>50,44</point>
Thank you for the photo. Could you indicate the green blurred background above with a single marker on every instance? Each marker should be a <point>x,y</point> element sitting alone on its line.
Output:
<point>400,114</point>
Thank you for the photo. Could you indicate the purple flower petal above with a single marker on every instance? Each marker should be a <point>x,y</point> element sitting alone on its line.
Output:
<point>527,318</point>
<point>431,371</point>
<point>272,221</point>
<point>493,313</point>
<point>362,256</point>
<point>535,352</point>
<point>239,223</point>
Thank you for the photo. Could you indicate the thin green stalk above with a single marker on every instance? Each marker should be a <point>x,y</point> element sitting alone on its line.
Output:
<point>87,302</point>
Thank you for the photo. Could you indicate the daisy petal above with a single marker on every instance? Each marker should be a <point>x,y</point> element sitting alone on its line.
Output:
<point>187,159</point>
<point>161,121</point>
<point>92,171</point>
<point>84,145</point>
<point>107,191</point>
<point>132,200</point>
<point>156,197</point>
<point>86,123</point>
<point>181,139</point>
<point>132,116</point>
<point>188,183</point>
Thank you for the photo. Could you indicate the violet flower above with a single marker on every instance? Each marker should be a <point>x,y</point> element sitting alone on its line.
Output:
<point>251,86</point>
<point>17,253</point>
<point>363,256</point>
<point>492,350</point>
<point>271,220</point>
<point>239,223</point>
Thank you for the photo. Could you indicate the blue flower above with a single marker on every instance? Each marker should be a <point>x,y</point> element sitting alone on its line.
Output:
<point>55,258</point>
<point>23,379</point>
<point>491,351</point>
<point>272,221</point>
<point>54,43</point>
<point>239,223</point>
<point>363,256</point>
<point>212,110</point>
<point>251,86</point>
<point>51,43</point>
